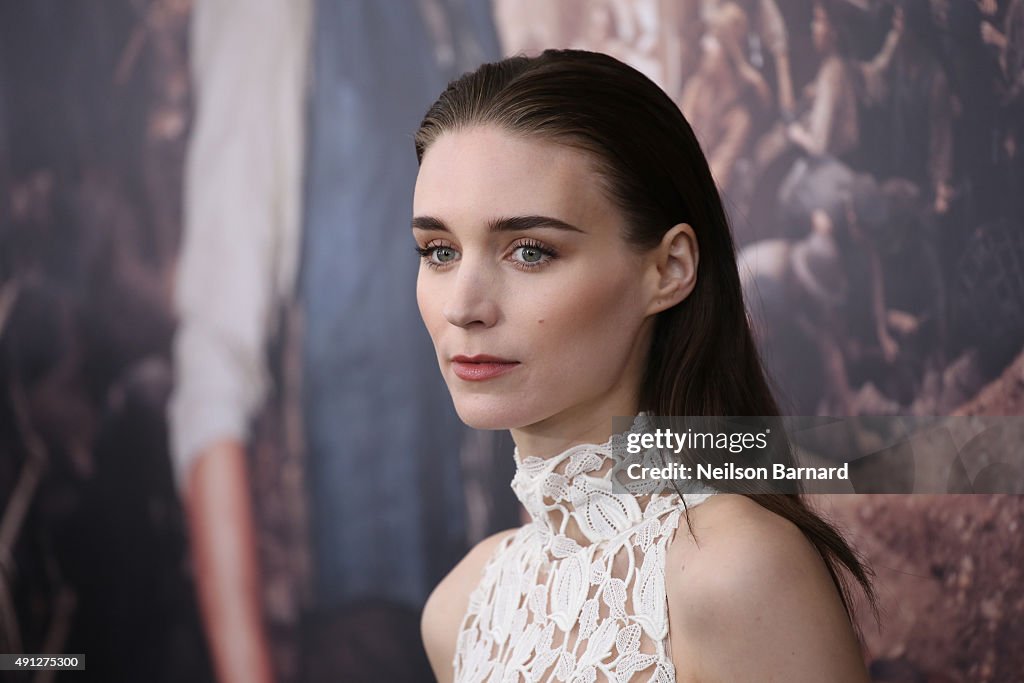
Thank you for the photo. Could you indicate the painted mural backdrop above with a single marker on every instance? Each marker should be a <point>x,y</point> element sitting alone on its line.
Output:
<point>870,153</point>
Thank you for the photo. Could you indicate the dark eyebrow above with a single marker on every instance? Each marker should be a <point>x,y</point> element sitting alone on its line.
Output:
<point>513,224</point>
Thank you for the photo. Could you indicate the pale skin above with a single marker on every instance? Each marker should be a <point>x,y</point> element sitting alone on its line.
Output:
<point>754,602</point>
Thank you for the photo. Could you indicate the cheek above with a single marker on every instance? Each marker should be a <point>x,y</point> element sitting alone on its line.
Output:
<point>429,301</point>
<point>422,299</point>
<point>589,324</point>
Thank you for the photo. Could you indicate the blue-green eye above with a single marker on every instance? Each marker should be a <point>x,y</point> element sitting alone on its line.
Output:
<point>532,254</point>
<point>437,256</point>
<point>444,254</point>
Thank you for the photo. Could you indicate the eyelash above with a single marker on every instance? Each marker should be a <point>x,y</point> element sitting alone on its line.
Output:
<point>428,251</point>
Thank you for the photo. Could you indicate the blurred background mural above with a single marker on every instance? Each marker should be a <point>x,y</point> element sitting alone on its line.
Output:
<point>204,258</point>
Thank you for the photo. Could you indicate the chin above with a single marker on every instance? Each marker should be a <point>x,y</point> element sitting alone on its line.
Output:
<point>493,412</point>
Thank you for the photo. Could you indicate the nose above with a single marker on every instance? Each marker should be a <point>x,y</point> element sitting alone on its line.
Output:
<point>471,299</point>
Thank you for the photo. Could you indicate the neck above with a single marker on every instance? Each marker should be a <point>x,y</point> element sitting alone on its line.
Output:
<point>585,423</point>
<point>552,488</point>
<point>591,421</point>
<point>580,495</point>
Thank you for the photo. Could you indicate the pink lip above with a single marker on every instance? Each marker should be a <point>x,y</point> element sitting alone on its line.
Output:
<point>480,367</point>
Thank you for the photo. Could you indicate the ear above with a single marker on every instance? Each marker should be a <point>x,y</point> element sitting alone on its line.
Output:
<point>671,269</point>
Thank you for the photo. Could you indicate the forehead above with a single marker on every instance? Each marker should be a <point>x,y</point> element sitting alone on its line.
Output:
<point>483,172</point>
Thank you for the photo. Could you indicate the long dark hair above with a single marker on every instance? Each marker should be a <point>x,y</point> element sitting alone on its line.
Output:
<point>702,361</point>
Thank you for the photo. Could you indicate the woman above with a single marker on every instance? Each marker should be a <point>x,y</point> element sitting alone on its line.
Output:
<point>715,101</point>
<point>828,121</point>
<point>561,209</point>
<point>830,124</point>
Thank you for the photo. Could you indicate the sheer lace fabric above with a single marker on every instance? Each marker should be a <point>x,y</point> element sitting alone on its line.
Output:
<point>578,593</point>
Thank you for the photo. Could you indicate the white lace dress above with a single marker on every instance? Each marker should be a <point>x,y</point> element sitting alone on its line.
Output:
<point>551,608</point>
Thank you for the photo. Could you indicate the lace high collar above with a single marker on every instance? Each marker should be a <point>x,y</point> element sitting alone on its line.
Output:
<point>586,487</point>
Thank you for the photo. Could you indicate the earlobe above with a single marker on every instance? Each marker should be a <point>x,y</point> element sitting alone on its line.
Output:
<point>673,268</point>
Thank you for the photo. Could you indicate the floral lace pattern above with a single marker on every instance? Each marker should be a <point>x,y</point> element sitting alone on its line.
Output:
<point>578,593</point>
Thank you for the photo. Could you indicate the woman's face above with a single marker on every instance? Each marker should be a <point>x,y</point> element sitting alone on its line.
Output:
<point>525,263</point>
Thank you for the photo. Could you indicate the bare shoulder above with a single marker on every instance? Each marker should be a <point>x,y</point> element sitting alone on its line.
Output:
<point>752,600</point>
<point>446,606</point>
